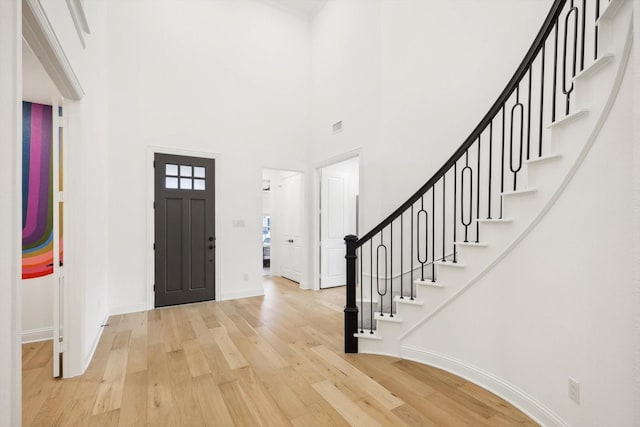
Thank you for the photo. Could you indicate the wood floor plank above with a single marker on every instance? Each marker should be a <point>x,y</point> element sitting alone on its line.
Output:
<point>344,405</point>
<point>133,411</point>
<point>212,404</point>
<point>272,360</point>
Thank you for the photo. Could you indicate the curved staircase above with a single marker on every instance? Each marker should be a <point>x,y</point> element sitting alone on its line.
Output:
<point>496,188</point>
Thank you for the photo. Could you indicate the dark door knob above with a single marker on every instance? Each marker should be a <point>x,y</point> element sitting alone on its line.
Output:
<point>290,240</point>
<point>210,238</point>
<point>210,246</point>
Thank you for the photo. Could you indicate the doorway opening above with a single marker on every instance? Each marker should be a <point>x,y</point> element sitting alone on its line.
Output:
<point>43,304</point>
<point>282,223</point>
<point>184,229</point>
<point>339,188</point>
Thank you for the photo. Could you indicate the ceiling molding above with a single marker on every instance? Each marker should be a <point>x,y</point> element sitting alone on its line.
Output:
<point>39,34</point>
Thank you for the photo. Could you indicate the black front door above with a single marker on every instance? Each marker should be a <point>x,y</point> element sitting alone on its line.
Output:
<point>185,241</point>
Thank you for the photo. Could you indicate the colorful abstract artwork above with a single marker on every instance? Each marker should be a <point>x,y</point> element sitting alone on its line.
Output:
<point>37,191</point>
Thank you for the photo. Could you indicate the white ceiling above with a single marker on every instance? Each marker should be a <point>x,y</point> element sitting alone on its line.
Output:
<point>36,83</point>
<point>305,9</point>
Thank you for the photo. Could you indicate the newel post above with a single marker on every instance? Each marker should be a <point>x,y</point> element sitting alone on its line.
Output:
<point>351,309</point>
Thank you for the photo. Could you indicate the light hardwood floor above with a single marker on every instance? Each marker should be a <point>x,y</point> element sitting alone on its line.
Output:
<point>275,360</point>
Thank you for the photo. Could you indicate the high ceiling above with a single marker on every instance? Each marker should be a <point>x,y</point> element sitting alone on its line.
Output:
<point>305,9</point>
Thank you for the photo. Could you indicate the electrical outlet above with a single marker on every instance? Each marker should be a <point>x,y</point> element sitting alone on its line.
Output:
<point>574,390</point>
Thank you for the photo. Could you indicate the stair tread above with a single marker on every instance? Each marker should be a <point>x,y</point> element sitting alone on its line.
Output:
<point>496,220</point>
<point>436,284</point>
<point>408,300</point>
<point>595,66</point>
<point>386,317</point>
<point>368,334</point>
<point>518,192</point>
<point>568,118</point>
<point>450,264</point>
<point>472,244</point>
<point>542,159</point>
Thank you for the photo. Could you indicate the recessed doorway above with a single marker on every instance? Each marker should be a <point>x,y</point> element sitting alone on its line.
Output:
<point>282,224</point>
<point>338,217</point>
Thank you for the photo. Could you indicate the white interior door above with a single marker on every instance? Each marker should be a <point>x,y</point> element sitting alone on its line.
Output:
<point>292,242</point>
<point>333,228</point>
<point>58,277</point>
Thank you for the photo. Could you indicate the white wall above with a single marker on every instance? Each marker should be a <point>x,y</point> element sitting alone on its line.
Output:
<point>10,215</point>
<point>402,75</point>
<point>534,321</point>
<point>86,140</point>
<point>223,77</point>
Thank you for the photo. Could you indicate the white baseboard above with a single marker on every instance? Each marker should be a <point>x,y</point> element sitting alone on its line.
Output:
<point>125,309</point>
<point>512,394</point>
<point>243,294</point>
<point>39,334</point>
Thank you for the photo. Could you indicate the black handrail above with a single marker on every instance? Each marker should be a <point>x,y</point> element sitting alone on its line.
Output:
<point>522,70</point>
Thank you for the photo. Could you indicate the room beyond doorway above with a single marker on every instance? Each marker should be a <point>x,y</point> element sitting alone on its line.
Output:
<point>282,224</point>
<point>337,217</point>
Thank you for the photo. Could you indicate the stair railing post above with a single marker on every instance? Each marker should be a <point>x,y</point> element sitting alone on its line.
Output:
<point>351,308</point>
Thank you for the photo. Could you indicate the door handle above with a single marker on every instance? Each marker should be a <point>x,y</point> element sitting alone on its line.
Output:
<point>290,240</point>
<point>210,246</point>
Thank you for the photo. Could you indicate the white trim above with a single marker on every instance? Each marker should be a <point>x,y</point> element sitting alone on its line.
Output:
<point>149,199</point>
<point>636,215</point>
<point>512,394</point>
<point>94,346</point>
<point>40,36</point>
<point>624,60</point>
<point>317,180</point>
<point>36,335</point>
<point>76,8</point>
<point>243,294</point>
<point>126,309</point>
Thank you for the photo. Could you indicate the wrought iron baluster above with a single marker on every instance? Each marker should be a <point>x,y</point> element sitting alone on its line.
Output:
<point>454,222</point>
<point>513,169</point>
<point>595,35</point>
<point>391,269</point>
<point>568,90</point>
<point>502,161</point>
<point>381,294</point>
<point>478,194</point>
<point>529,115</point>
<point>433,233</point>
<point>371,286</point>
<point>540,125</point>
<point>401,255</point>
<point>466,171</point>
<point>411,293</point>
<point>444,216</point>
<point>490,163</point>
<point>361,292</point>
<point>555,73</point>
<point>422,260</point>
<point>582,35</point>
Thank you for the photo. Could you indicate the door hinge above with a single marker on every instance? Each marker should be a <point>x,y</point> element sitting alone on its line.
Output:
<point>154,205</point>
<point>154,163</point>
<point>154,246</point>
<point>154,288</point>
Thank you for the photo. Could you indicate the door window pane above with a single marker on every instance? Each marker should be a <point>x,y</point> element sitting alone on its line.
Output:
<point>185,184</point>
<point>171,170</point>
<point>198,184</point>
<point>171,182</point>
<point>198,172</point>
<point>185,170</point>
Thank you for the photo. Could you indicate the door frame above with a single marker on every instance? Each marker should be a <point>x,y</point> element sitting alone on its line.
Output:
<point>149,199</point>
<point>317,181</point>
